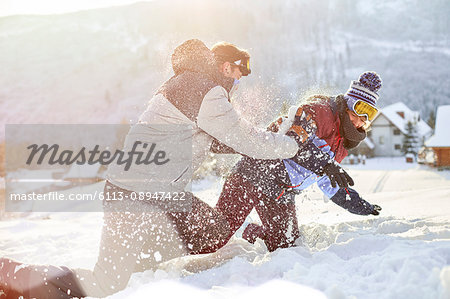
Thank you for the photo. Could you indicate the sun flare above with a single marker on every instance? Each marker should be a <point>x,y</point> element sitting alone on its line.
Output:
<point>15,7</point>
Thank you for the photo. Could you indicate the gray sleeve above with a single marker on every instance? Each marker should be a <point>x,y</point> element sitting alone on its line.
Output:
<point>218,118</point>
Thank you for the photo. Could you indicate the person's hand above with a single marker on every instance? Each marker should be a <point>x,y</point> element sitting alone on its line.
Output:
<point>337,175</point>
<point>350,200</point>
<point>376,210</point>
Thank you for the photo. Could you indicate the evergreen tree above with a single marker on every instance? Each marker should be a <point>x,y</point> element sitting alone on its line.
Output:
<point>411,140</point>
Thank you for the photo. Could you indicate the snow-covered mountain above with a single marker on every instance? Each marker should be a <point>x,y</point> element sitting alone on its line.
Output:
<point>101,66</point>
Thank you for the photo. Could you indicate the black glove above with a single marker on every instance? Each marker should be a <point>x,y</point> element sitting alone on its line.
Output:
<point>337,175</point>
<point>350,200</point>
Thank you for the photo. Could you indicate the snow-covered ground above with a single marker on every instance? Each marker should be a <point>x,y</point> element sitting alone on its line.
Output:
<point>403,253</point>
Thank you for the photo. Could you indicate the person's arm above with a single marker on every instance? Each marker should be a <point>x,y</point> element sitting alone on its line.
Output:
<point>347,198</point>
<point>218,118</point>
<point>324,185</point>
<point>310,156</point>
<point>350,200</point>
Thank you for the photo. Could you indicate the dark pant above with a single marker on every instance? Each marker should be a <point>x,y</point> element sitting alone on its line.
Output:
<point>279,221</point>
<point>203,229</point>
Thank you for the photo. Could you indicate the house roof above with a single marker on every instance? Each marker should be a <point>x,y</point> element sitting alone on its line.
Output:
<point>441,137</point>
<point>392,113</point>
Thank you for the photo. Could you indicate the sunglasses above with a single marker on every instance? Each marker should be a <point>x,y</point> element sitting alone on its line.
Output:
<point>244,66</point>
<point>362,108</point>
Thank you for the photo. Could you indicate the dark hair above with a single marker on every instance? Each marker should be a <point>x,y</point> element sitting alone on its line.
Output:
<point>224,52</point>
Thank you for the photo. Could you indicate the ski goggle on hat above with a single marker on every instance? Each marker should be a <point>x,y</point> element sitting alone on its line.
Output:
<point>244,66</point>
<point>362,108</point>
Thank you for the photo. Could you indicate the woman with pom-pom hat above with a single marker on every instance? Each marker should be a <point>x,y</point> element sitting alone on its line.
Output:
<point>362,95</point>
<point>325,127</point>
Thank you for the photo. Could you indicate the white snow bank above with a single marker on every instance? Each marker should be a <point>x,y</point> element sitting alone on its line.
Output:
<point>383,163</point>
<point>370,258</point>
<point>403,253</point>
<point>445,281</point>
<point>171,289</point>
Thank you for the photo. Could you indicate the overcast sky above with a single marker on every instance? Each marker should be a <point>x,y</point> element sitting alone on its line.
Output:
<point>14,7</point>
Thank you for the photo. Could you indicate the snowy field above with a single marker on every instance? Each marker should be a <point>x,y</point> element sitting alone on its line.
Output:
<point>403,253</point>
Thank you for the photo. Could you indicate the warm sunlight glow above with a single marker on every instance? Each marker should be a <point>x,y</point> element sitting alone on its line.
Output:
<point>15,7</point>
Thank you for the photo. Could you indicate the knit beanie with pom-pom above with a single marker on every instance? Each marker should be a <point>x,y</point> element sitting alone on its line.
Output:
<point>365,89</point>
